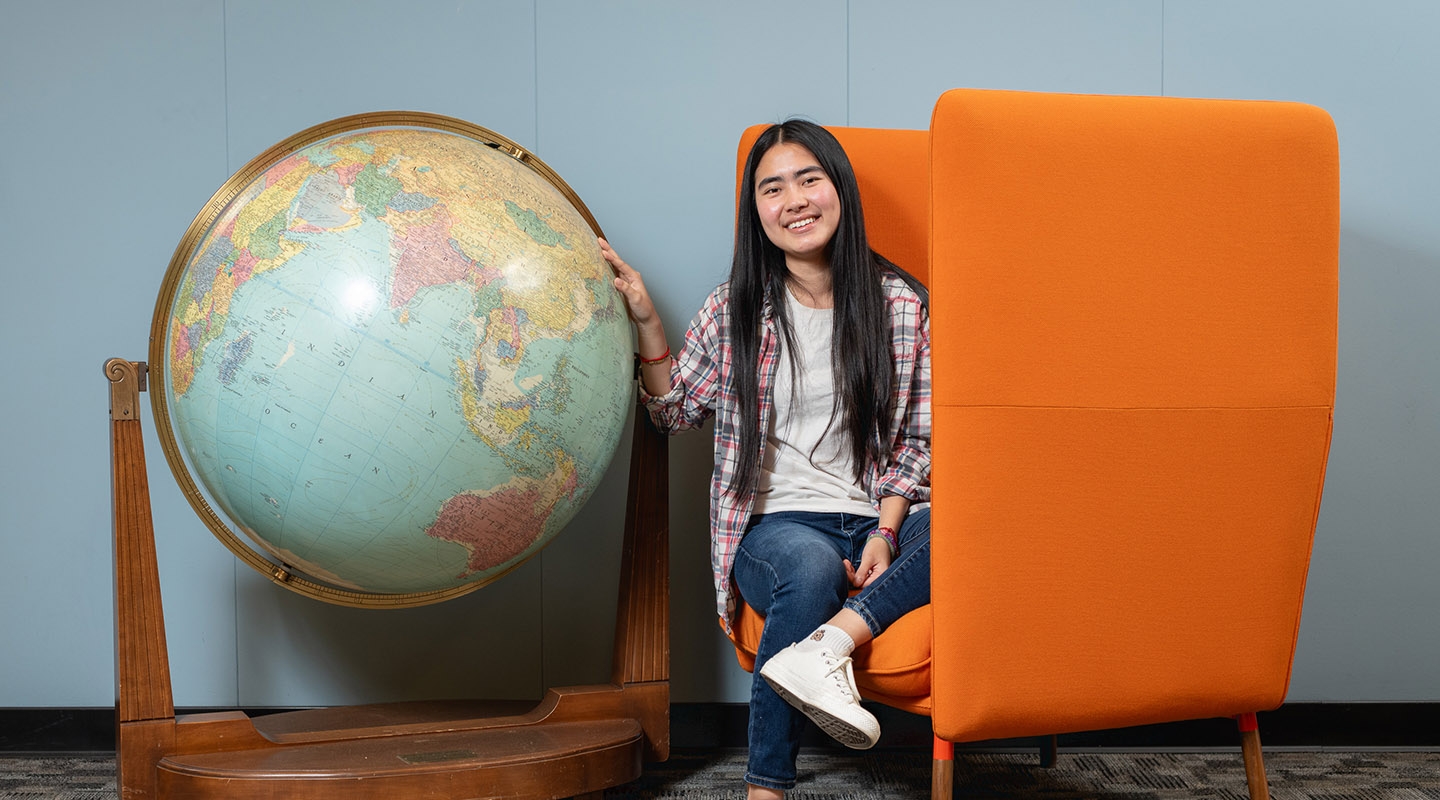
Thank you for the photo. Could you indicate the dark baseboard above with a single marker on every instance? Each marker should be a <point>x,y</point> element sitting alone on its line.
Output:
<point>708,726</point>
<point>1309,725</point>
<point>57,729</point>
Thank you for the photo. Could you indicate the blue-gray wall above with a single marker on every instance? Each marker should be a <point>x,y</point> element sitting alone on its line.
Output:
<point>118,120</point>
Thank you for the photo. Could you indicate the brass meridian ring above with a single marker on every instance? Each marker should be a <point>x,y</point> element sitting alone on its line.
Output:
<point>284,574</point>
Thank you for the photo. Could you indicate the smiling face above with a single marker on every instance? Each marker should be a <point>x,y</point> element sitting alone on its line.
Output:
<point>798,206</point>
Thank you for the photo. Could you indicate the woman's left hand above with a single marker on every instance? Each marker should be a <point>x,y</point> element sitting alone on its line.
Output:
<point>874,560</point>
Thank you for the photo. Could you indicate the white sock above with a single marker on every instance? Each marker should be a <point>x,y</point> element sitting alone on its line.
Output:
<point>829,637</point>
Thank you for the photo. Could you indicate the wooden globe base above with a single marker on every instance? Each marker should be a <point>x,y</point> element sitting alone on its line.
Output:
<point>575,743</point>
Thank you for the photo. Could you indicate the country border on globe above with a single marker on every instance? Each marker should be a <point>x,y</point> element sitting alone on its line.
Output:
<point>388,355</point>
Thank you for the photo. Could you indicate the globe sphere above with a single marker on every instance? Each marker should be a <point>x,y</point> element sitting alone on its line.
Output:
<point>388,356</point>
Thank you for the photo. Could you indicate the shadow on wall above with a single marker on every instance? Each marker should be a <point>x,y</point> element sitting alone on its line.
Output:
<point>1386,450</point>
<point>702,662</point>
<point>296,651</point>
<point>1390,339</point>
<point>1375,550</point>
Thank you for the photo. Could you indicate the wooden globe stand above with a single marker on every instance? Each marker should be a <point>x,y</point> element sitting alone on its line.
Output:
<point>575,743</point>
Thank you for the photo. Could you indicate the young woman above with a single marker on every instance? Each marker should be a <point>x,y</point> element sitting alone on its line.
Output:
<point>814,359</point>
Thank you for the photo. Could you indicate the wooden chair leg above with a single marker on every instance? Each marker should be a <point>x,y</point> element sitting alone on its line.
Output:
<point>1254,761</point>
<point>1049,751</point>
<point>942,771</point>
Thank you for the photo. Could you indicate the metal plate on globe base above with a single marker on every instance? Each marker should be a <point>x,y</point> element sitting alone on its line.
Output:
<point>576,742</point>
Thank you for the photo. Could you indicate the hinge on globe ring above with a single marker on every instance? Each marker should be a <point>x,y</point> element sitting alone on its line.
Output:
<point>516,153</point>
<point>281,574</point>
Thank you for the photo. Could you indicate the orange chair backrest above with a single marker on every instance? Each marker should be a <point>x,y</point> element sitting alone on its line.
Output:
<point>1134,337</point>
<point>893,170</point>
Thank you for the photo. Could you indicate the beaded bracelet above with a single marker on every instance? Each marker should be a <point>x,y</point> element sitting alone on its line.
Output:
<point>888,534</point>
<point>657,359</point>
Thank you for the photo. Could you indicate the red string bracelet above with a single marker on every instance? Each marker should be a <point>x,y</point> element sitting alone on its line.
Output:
<point>657,359</point>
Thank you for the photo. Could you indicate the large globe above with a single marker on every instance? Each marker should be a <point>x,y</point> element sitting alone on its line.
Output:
<point>390,354</point>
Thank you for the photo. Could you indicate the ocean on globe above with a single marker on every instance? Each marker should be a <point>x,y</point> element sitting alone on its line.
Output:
<point>393,358</point>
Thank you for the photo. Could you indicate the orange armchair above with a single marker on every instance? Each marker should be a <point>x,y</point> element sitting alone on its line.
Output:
<point>1134,306</point>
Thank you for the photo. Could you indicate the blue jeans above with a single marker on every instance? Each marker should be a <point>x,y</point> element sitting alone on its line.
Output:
<point>788,569</point>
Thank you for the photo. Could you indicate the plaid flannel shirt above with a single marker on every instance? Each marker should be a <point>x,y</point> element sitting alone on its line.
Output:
<point>702,385</point>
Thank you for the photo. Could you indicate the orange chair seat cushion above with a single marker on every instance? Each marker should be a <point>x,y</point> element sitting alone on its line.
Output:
<point>894,669</point>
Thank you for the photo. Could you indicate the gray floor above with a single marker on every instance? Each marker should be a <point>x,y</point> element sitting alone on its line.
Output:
<point>1294,775</point>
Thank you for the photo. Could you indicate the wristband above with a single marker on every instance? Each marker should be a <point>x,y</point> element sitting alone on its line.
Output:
<point>888,534</point>
<point>657,359</point>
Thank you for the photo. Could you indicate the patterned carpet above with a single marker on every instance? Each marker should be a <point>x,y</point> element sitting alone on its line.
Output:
<point>882,775</point>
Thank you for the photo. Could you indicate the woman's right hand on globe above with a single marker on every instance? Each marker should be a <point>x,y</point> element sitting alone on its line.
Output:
<point>651,347</point>
<point>632,287</point>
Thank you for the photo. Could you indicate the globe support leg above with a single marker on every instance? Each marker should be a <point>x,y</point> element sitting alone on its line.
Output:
<point>144,710</point>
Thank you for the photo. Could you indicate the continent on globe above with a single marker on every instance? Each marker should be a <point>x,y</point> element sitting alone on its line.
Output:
<point>496,526</point>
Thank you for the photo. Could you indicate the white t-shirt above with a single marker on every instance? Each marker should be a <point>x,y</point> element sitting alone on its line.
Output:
<point>807,464</point>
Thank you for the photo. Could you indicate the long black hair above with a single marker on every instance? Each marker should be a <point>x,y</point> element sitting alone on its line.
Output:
<point>860,348</point>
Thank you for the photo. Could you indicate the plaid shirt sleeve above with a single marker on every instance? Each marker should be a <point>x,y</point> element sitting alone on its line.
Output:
<point>908,472</point>
<point>694,373</point>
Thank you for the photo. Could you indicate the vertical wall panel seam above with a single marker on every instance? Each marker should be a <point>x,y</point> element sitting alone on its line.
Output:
<point>225,74</point>
<point>849,65</point>
<point>1162,48</point>
<point>225,100</point>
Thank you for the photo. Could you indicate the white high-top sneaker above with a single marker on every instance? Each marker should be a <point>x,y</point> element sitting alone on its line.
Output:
<point>822,685</point>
